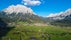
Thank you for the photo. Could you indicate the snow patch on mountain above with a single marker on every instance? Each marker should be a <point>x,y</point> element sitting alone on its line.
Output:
<point>65,13</point>
<point>61,15</point>
<point>18,9</point>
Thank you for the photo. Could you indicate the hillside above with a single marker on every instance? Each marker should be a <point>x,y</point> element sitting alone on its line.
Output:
<point>62,18</point>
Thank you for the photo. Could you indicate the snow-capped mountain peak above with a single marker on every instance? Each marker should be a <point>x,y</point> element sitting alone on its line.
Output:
<point>60,15</point>
<point>65,13</point>
<point>18,9</point>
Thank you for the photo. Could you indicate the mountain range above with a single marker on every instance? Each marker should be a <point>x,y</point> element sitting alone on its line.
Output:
<point>15,13</point>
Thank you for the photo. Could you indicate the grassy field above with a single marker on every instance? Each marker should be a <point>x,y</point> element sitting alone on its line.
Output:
<point>21,32</point>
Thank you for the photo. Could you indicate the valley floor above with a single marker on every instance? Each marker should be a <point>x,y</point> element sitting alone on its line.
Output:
<point>21,32</point>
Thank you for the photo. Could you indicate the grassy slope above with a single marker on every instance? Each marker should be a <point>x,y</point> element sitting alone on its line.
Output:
<point>21,32</point>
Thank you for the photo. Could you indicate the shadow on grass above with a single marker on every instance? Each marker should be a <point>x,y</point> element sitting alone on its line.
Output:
<point>4,29</point>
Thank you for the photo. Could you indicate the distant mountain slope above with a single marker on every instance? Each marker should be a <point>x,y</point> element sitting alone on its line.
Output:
<point>63,18</point>
<point>61,15</point>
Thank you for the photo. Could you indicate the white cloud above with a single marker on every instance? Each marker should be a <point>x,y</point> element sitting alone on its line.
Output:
<point>31,2</point>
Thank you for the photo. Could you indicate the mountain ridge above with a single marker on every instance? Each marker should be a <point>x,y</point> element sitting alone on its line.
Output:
<point>19,14</point>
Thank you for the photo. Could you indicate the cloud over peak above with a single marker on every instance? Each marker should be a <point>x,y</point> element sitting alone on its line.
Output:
<point>31,2</point>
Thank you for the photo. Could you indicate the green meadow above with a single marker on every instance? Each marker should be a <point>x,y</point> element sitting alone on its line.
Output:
<point>27,32</point>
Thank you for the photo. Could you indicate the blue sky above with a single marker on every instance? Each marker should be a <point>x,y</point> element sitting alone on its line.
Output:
<point>44,9</point>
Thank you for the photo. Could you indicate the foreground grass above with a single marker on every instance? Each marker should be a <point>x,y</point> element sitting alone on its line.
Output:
<point>21,32</point>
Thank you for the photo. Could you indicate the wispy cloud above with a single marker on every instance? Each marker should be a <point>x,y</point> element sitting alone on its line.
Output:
<point>31,2</point>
